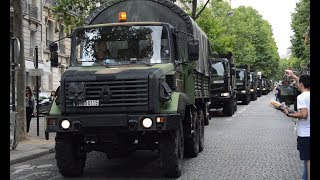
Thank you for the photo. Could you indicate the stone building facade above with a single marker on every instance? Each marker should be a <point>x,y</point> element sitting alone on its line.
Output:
<point>39,29</point>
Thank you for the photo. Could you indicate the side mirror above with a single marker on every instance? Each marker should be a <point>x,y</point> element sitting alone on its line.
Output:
<point>15,49</point>
<point>193,50</point>
<point>233,71</point>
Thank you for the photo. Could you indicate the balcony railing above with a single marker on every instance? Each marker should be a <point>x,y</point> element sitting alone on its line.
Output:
<point>25,7</point>
<point>30,9</point>
<point>33,11</point>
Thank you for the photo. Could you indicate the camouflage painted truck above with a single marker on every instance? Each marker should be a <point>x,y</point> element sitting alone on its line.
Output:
<point>223,84</point>
<point>149,92</point>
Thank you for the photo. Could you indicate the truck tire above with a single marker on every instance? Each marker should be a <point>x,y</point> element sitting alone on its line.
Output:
<point>201,139</point>
<point>246,99</point>
<point>235,106</point>
<point>259,94</point>
<point>228,108</point>
<point>254,96</point>
<point>171,152</point>
<point>191,144</point>
<point>70,159</point>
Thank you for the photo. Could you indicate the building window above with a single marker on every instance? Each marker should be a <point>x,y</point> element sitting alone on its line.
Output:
<point>49,33</point>
<point>62,47</point>
<point>32,42</point>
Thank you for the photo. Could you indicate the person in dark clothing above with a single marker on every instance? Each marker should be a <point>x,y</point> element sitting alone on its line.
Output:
<point>29,103</point>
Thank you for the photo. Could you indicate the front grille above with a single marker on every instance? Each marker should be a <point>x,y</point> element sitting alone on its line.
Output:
<point>126,95</point>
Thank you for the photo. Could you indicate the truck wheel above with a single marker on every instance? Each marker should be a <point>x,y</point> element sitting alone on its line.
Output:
<point>246,100</point>
<point>192,143</point>
<point>228,108</point>
<point>69,156</point>
<point>201,139</point>
<point>259,94</point>
<point>235,106</point>
<point>171,152</point>
<point>255,96</point>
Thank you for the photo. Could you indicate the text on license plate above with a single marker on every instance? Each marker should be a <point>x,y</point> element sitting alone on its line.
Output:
<point>89,103</point>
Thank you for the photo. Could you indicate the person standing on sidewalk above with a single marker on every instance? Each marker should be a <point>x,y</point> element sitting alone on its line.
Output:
<point>30,107</point>
<point>303,123</point>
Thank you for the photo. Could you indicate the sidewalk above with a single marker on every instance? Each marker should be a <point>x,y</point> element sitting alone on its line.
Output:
<point>34,146</point>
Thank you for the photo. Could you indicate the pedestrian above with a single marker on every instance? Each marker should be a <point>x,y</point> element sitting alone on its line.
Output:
<point>303,123</point>
<point>52,96</point>
<point>278,93</point>
<point>30,107</point>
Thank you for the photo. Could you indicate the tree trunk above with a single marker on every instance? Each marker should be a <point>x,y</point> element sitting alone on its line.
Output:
<point>21,73</point>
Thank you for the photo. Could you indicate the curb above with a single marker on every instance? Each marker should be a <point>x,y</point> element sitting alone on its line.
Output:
<point>31,155</point>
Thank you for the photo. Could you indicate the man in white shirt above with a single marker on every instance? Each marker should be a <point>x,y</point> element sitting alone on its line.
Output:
<point>303,116</point>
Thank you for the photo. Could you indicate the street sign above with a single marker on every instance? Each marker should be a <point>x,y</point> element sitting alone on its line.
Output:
<point>36,72</point>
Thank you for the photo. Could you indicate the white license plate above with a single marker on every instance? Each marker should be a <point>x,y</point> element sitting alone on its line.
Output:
<point>89,103</point>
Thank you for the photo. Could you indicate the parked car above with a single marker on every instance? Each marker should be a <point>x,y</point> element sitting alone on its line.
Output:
<point>44,103</point>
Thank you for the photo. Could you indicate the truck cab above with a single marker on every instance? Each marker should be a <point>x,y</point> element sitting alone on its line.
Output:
<point>222,84</point>
<point>264,85</point>
<point>242,84</point>
<point>134,83</point>
<point>253,81</point>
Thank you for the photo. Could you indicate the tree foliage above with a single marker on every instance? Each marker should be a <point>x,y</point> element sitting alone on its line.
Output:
<point>246,34</point>
<point>300,24</point>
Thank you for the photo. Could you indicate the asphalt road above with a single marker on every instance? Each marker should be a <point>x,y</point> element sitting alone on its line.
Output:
<point>257,142</point>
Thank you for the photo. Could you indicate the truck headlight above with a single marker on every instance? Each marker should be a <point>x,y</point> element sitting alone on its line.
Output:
<point>147,122</point>
<point>225,94</point>
<point>251,90</point>
<point>258,88</point>
<point>264,89</point>
<point>243,91</point>
<point>65,124</point>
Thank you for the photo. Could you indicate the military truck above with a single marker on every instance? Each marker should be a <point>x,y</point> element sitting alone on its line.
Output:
<point>259,84</point>
<point>264,85</point>
<point>148,91</point>
<point>288,87</point>
<point>223,83</point>
<point>242,84</point>
<point>253,81</point>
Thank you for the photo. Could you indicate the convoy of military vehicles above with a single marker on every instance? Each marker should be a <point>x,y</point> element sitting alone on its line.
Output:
<point>153,88</point>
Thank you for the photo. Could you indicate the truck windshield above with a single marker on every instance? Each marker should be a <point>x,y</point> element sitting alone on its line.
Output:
<point>121,45</point>
<point>217,68</point>
<point>240,75</point>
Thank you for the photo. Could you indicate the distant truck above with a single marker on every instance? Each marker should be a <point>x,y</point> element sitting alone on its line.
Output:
<point>264,84</point>
<point>242,84</point>
<point>138,80</point>
<point>259,84</point>
<point>223,83</point>
<point>253,81</point>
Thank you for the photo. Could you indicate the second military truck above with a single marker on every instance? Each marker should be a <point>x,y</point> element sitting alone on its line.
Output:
<point>138,80</point>
<point>223,83</point>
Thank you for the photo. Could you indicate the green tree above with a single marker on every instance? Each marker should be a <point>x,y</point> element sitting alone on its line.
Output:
<point>300,24</point>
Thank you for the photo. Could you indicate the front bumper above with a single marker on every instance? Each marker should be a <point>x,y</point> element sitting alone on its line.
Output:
<point>218,101</point>
<point>125,122</point>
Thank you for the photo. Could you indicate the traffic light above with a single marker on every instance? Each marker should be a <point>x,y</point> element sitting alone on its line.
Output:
<point>53,48</point>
